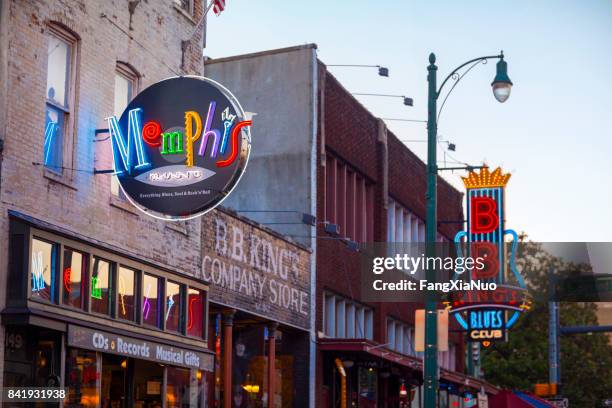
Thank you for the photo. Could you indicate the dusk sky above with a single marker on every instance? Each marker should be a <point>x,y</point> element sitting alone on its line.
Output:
<point>554,132</point>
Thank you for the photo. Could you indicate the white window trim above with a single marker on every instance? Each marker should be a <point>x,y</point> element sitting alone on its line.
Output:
<point>66,175</point>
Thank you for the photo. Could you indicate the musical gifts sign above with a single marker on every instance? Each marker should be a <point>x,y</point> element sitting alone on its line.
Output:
<point>256,270</point>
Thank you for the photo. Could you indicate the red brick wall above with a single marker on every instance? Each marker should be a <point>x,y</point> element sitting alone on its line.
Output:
<point>351,133</point>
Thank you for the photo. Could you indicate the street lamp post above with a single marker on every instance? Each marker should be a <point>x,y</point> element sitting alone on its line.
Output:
<point>501,86</point>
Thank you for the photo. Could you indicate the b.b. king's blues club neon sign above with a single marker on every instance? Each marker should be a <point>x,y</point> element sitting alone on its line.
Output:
<point>487,316</point>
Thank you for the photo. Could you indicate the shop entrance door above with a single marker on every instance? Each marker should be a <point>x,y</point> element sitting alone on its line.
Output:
<point>114,382</point>
<point>148,384</point>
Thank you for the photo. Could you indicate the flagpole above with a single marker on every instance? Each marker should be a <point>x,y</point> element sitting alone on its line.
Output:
<point>208,7</point>
<point>185,43</point>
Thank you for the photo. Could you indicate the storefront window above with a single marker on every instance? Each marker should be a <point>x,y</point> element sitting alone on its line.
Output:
<point>82,379</point>
<point>248,367</point>
<point>43,270</point>
<point>114,381</point>
<point>148,379</point>
<point>368,385</point>
<point>126,290</point>
<point>173,306</point>
<point>177,391</point>
<point>195,313</point>
<point>75,267</point>
<point>100,286</point>
<point>150,300</point>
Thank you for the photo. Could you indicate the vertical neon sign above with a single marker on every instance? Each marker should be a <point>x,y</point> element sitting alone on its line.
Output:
<point>485,238</point>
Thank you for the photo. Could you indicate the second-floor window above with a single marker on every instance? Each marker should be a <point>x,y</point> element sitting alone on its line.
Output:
<point>59,98</point>
<point>349,201</point>
<point>400,337</point>
<point>90,280</point>
<point>186,6</point>
<point>344,318</point>
<point>126,81</point>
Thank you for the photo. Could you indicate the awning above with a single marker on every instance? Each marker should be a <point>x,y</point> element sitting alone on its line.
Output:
<point>379,350</point>
<point>516,399</point>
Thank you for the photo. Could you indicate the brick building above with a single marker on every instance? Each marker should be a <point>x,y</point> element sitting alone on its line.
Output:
<point>73,64</point>
<point>121,308</point>
<point>324,154</point>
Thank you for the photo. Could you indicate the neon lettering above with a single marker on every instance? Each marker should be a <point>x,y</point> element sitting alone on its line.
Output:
<point>150,133</point>
<point>50,132</point>
<point>38,280</point>
<point>146,305</point>
<point>235,144</point>
<point>483,217</point>
<point>191,302</point>
<point>96,292</point>
<point>190,136</point>
<point>68,279</point>
<point>228,121</point>
<point>172,143</point>
<point>208,132</point>
<point>489,254</point>
<point>170,304</point>
<point>122,148</point>
<point>121,295</point>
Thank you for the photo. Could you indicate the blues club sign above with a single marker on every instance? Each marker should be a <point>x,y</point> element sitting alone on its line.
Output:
<point>180,147</point>
<point>487,315</point>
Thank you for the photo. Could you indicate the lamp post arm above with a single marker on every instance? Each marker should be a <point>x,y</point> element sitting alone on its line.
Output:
<point>454,72</point>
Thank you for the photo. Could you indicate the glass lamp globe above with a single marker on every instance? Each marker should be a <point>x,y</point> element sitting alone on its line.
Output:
<point>501,84</point>
<point>501,91</point>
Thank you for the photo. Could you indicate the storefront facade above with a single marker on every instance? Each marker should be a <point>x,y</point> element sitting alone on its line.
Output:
<point>114,331</point>
<point>259,290</point>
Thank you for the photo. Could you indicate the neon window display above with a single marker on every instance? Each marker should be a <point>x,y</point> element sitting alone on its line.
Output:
<point>73,281</point>
<point>174,301</point>
<point>195,303</point>
<point>150,300</point>
<point>43,270</point>
<point>100,286</point>
<point>126,293</point>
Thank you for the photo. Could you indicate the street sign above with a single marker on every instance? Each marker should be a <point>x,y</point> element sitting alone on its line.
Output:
<point>559,402</point>
<point>607,402</point>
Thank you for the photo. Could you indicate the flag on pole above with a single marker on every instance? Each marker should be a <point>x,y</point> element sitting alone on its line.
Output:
<point>218,7</point>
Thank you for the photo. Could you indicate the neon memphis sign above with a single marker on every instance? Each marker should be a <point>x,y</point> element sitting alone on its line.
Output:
<point>486,317</point>
<point>180,147</point>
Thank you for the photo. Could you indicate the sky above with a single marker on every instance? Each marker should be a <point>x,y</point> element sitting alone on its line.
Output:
<point>554,133</point>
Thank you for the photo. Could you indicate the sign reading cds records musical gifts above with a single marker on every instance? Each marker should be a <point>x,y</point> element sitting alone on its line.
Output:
<point>180,147</point>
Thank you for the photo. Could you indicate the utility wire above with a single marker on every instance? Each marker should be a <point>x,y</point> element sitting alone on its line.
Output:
<point>124,31</point>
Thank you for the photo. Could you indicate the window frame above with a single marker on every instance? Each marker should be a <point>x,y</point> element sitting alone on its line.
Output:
<point>129,73</point>
<point>61,243</point>
<point>54,294</point>
<point>64,34</point>
<point>362,313</point>
<point>136,288</point>
<point>404,328</point>
<point>111,286</point>
<point>191,8</point>
<point>85,285</point>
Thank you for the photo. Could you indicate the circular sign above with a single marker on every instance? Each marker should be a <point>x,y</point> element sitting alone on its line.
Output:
<point>180,147</point>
